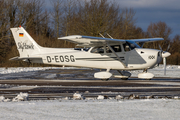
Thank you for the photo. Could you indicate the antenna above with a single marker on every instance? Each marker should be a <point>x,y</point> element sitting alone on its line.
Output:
<point>101,35</point>
<point>109,36</point>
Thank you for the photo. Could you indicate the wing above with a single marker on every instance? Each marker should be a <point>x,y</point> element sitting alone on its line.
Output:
<point>147,40</point>
<point>90,41</point>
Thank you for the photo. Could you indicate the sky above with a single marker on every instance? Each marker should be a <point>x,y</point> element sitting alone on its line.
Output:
<point>148,11</point>
<point>153,11</point>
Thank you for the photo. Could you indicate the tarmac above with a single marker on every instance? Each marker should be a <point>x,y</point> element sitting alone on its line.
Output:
<point>40,89</point>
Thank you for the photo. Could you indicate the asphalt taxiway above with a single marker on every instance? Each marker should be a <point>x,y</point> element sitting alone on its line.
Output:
<point>51,89</point>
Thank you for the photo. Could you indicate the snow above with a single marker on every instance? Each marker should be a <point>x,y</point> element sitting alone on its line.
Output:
<point>171,71</point>
<point>119,97</point>
<point>77,96</point>
<point>100,97</point>
<point>157,71</point>
<point>21,97</point>
<point>2,98</point>
<point>28,69</point>
<point>92,109</point>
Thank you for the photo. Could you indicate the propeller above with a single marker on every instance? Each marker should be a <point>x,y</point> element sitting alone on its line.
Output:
<point>164,55</point>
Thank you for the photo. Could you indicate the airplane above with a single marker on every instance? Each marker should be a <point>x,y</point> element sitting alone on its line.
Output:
<point>99,52</point>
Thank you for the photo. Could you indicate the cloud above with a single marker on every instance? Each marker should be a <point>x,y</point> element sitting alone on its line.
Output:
<point>168,4</point>
<point>148,11</point>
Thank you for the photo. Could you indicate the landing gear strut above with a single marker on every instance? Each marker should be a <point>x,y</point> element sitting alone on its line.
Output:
<point>124,75</point>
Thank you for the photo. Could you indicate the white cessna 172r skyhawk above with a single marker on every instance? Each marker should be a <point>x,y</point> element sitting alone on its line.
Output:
<point>104,53</point>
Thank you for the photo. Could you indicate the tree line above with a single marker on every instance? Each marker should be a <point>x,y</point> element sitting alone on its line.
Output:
<point>46,22</point>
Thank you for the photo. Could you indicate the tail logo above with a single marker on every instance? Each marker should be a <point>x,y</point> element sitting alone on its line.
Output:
<point>25,46</point>
<point>21,34</point>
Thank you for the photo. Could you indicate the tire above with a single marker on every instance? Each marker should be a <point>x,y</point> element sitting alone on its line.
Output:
<point>104,79</point>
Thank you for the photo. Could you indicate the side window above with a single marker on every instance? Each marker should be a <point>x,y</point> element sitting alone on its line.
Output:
<point>116,48</point>
<point>126,47</point>
<point>98,50</point>
<point>108,50</point>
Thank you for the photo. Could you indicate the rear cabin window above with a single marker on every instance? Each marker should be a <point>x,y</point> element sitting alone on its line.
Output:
<point>116,48</point>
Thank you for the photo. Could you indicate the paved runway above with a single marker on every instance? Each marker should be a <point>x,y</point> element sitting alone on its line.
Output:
<point>50,89</point>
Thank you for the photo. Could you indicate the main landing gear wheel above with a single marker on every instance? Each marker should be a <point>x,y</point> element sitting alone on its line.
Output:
<point>124,78</point>
<point>104,79</point>
<point>145,75</point>
<point>103,75</point>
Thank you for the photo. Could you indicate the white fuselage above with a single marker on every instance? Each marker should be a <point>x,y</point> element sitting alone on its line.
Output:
<point>138,58</point>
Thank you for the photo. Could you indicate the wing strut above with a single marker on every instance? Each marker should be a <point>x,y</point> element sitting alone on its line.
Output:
<point>116,55</point>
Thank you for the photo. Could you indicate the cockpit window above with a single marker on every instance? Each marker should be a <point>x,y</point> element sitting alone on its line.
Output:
<point>98,50</point>
<point>130,45</point>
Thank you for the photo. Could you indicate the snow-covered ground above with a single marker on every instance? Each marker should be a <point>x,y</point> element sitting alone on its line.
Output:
<point>172,71</point>
<point>160,109</point>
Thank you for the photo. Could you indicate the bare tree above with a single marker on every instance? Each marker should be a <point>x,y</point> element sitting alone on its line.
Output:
<point>93,17</point>
<point>99,16</point>
<point>159,29</point>
<point>57,15</point>
<point>127,26</point>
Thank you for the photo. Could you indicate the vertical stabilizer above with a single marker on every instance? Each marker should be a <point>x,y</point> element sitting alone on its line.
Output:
<point>25,43</point>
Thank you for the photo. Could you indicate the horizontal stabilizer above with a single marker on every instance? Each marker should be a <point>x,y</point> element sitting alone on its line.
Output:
<point>28,59</point>
<point>24,58</point>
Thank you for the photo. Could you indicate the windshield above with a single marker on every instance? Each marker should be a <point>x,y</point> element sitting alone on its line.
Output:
<point>132,44</point>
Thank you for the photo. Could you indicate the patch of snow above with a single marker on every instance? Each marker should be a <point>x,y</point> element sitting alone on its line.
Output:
<point>21,97</point>
<point>7,100</point>
<point>176,97</point>
<point>100,97</point>
<point>77,96</point>
<point>171,71</point>
<point>119,97</point>
<point>51,76</point>
<point>28,69</point>
<point>2,98</point>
